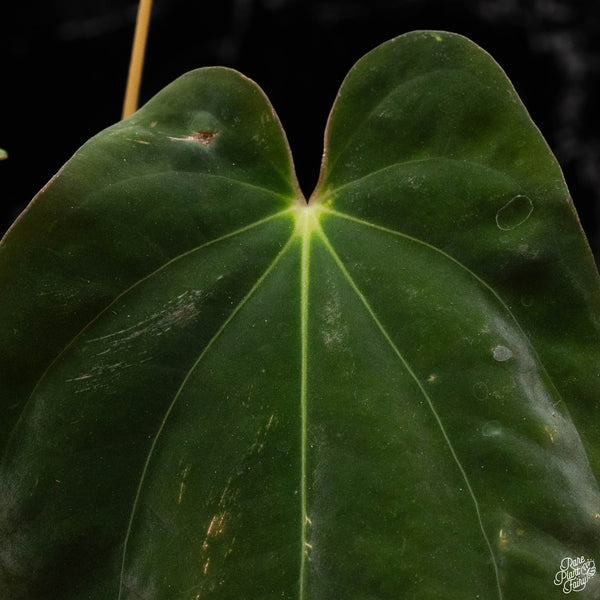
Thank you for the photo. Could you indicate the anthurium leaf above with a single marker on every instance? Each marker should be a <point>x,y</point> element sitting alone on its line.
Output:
<point>212,389</point>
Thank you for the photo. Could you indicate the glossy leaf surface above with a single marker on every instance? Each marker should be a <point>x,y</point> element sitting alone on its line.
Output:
<point>211,389</point>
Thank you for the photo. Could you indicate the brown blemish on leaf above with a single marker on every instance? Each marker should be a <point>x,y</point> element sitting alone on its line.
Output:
<point>206,138</point>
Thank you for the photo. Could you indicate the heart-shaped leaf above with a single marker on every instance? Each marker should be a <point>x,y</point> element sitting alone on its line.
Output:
<point>212,389</point>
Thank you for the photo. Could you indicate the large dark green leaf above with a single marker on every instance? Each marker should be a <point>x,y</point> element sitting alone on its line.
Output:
<point>211,389</point>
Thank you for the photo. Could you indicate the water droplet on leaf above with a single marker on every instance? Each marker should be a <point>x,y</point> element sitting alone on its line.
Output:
<point>501,353</point>
<point>491,429</point>
<point>514,213</point>
<point>526,301</point>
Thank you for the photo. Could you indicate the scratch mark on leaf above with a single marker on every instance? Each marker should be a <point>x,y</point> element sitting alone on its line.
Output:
<point>205,138</point>
<point>182,484</point>
<point>179,312</point>
<point>80,378</point>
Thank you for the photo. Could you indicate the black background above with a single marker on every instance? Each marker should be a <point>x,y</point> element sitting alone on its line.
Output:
<point>64,66</point>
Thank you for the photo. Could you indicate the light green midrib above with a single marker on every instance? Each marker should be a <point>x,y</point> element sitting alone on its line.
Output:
<point>304,286</point>
<point>436,416</point>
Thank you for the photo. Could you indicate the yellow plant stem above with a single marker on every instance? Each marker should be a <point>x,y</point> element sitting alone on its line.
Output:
<point>136,63</point>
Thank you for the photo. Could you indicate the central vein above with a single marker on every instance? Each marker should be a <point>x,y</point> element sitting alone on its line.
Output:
<point>306,223</point>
